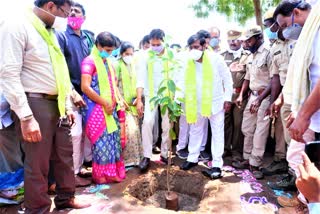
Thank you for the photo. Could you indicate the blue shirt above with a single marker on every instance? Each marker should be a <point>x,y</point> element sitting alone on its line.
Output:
<point>75,48</point>
<point>5,117</point>
<point>314,208</point>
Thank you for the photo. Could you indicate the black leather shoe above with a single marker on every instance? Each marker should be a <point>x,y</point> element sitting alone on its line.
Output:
<point>144,164</point>
<point>156,150</point>
<point>165,160</point>
<point>187,165</point>
<point>213,173</point>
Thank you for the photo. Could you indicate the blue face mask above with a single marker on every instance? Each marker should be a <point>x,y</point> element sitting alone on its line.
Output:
<point>292,32</point>
<point>116,52</point>
<point>214,42</point>
<point>104,54</point>
<point>270,34</point>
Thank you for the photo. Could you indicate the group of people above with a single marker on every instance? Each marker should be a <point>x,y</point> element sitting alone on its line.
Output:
<point>68,97</point>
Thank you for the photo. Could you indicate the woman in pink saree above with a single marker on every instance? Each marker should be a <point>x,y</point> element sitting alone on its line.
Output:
<point>102,121</point>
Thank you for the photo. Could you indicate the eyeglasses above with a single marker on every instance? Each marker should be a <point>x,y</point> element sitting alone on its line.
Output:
<point>66,13</point>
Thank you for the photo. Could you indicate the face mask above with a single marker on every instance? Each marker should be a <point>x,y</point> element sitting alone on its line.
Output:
<point>196,54</point>
<point>292,32</point>
<point>214,42</point>
<point>157,49</point>
<point>59,23</point>
<point>75,22</point>
<point>116,52</point>
<point>270,34</point>
<point>104,54</point>
<point>127,59</point>
<point>253,49</point>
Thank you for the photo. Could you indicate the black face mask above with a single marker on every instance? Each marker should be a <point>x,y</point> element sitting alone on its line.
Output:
<point>253,49</point>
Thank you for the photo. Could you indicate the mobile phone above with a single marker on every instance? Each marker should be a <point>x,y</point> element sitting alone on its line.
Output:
<point>134,101</point>
<point>312,149</point>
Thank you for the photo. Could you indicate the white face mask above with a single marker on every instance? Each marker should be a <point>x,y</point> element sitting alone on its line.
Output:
<point>60,23</point>
<point>127,59</point>
<point>196,54</point>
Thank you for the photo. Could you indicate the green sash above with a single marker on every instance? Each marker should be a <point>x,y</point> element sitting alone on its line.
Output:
<point>58,61</point>
<point>104,86</point>
<point>129,82</point>
<point>191,89</point>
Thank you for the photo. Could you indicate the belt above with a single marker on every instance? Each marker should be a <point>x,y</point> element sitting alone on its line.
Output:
<point>257,93</point>
<point>237,90</point>
<point>42,96</point>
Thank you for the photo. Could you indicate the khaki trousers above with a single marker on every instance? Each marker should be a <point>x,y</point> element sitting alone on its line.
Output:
<point>255,131</point>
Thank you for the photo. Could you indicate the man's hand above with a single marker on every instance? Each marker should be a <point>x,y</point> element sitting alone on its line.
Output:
<point>275,108</point>
<point>108,108</point>
<point>71,118</point>
<point>31,131</point>
<point>227,106</point>
<point>309,181</point>
<point>77,99</point>
<point>239,101</point>
<point>298,127</point>
<point>255,106</point>
<point>290,119</point>
<point>140,108</point>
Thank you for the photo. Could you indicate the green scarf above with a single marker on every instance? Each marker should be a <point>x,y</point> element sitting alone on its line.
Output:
<point>58,61</point>
<point>129,82</point>
<point>191,89</point>
<point>150,72</point>
<point>104,86</point>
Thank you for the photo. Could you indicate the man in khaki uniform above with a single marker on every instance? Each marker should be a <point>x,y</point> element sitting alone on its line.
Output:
<point>254,126</point>
<point>236,59</point>
<point>280,55</point>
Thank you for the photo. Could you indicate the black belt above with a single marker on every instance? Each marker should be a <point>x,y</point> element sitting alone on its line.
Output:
<point>42,96</point>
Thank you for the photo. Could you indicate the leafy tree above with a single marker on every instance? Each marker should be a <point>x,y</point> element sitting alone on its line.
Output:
<point>238,10</point>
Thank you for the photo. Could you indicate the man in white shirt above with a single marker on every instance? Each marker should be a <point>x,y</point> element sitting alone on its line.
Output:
<point>30,84</point>
<point>208,91</point>
<point>150,73</point>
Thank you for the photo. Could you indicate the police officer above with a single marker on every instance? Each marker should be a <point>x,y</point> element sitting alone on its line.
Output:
<point>236,58</point>
<point>254,125</point>
<point>280,54</point>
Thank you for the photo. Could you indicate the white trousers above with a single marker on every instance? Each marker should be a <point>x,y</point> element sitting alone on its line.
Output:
<point>81,147</point>
<point>294,157</point>
<point>217,139</point>
<point>147,131</point>
<point>184,129</point>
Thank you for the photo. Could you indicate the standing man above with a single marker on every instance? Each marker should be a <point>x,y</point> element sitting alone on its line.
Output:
<point>255,127</point>
<point>214,41</point>
<point>235,59</point>
<point>208,91</point>
<point>152,71</point>
<point>280,53</point>
<point>36,84</point>
<point>75,45</point>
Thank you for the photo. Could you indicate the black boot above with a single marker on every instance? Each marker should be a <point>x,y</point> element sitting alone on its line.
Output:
<point>144,164</point>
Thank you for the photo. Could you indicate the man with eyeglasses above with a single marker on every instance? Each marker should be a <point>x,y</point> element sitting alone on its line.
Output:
<point>75,44</point>
<point>36,84</point>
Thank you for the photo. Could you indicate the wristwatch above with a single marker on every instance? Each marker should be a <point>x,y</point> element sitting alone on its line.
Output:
<point>26,118</point>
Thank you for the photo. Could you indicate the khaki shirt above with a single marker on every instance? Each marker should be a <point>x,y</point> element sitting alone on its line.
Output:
<point>237,66</point>
<point>280,53</point>
<point>258,72</point>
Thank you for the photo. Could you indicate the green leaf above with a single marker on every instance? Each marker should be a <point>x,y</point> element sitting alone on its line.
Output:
<point>161,90</point>
<point>163,109</point>
<point>165,101</point>
<point>153,99</point>
<point>171,86</point>
<point>181,100</point>
<point>172,134</point>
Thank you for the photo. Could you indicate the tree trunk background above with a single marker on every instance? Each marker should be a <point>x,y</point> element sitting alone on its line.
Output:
<point>257,11</point>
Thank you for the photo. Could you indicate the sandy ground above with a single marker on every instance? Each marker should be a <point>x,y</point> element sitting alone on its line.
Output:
<point>236,192</point>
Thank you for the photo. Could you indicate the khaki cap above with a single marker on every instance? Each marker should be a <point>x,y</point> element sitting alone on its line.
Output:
<point>269,14</point>
<point>250,32</point>
<point>233,34</point>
